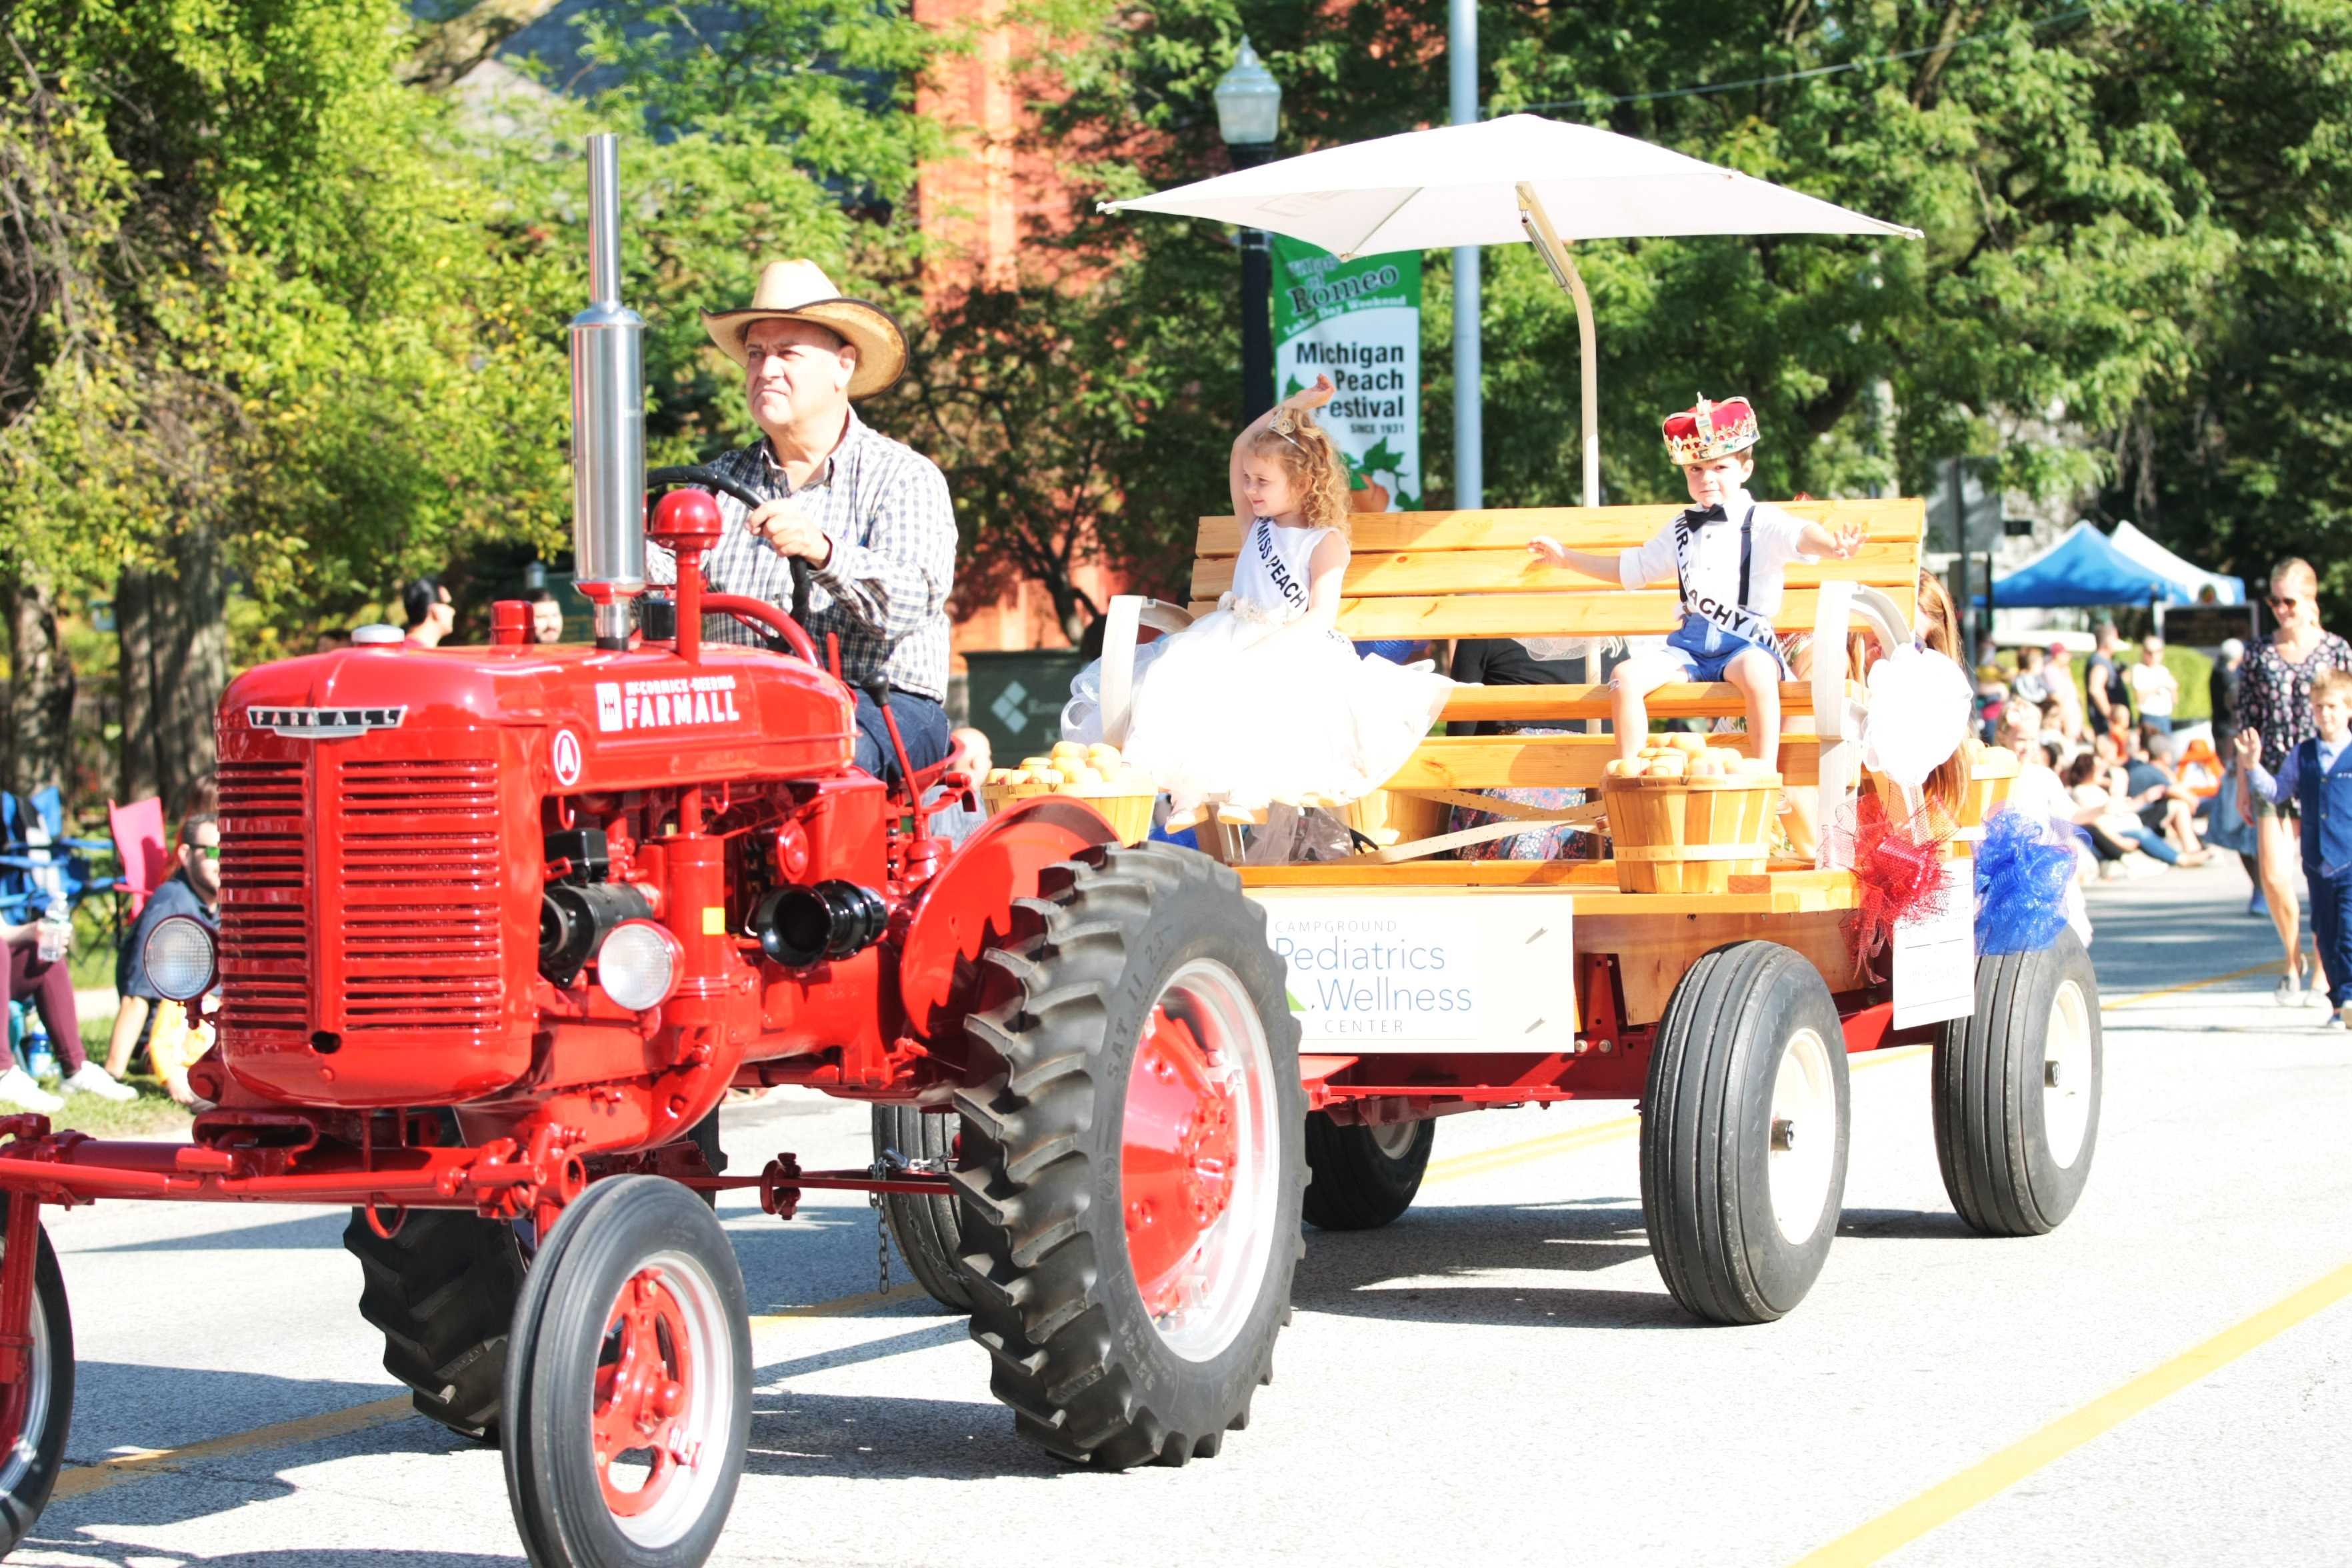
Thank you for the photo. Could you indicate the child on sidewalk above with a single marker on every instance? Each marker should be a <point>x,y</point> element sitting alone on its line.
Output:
<point>2317,776</point>
<point>1726,553</point>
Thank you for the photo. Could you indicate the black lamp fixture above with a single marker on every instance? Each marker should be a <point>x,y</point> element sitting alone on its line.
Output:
<point>1249,114</point>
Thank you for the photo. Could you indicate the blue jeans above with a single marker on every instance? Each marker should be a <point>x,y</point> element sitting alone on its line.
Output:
<point>2138,838</point>
<point>2331,930</point>
<point>922,724</point>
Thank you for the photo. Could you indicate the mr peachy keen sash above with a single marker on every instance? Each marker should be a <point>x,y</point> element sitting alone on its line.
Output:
<point>1735,618</point>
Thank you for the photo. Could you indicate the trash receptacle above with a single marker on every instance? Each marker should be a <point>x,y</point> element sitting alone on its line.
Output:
<point>1016,697</point>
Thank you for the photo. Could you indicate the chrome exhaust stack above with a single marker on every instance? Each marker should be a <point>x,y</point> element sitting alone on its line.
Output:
<point>608,417</point>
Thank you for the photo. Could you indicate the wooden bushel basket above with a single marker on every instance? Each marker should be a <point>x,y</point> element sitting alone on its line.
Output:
<point>1127,812</point>
<point>1690,835</point>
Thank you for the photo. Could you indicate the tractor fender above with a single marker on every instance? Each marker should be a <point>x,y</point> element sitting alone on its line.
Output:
<point>968,906</point>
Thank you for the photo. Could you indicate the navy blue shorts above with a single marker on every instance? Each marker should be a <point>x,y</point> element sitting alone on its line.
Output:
<point>1705,649</point>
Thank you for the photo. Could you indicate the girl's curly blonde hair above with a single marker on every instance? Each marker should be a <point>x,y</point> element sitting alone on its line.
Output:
<point>1311,459</point>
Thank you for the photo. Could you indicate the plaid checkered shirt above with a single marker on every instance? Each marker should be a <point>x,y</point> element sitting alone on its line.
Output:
<point>885,589</point>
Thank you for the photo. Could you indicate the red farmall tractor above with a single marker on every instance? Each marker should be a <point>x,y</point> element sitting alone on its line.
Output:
<point>499,927</point>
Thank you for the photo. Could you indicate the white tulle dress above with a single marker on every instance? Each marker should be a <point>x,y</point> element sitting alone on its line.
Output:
<point>1227,712</point>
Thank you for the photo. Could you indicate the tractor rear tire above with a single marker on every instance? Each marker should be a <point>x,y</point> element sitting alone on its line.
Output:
<point>1744,1132</point>
<point>930,1230</point>
<point>2017,1090</point>
<point>28,1472</point>
<point>1131,1167</point>
<point>628,1389</point>
<point>443,1290</point>
<point>1360,1178</point>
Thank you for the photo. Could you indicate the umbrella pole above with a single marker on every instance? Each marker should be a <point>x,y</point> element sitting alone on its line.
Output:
<point>1554,250</point>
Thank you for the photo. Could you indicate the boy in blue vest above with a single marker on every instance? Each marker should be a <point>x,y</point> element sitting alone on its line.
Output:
<point>1727,555</point>
<point>2317,776</point>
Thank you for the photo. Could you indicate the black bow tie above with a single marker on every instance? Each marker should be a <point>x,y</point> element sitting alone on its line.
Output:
<point>1703,514</point>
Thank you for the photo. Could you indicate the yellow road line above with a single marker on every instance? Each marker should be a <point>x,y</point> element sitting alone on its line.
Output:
<point>839,1306</point>
<point>1940,1504</point>
<point>2271,967</point>
<point>83,1479</point>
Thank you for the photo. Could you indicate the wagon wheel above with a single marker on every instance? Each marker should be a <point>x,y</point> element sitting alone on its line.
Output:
<point>1744,1130</point>
<point>1131,1168</point>
<point>629,1383</point>
<point>1363,1177</point>
<point>2017,1088</point>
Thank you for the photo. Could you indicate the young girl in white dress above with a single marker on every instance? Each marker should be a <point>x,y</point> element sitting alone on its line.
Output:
<point>1263,700</point>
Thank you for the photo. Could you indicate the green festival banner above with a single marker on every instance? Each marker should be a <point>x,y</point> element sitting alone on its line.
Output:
<point>1358,322</point>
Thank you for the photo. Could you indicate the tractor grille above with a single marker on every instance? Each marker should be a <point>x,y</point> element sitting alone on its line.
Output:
<point>419,924</point>
<point>265,958</point>
<point>371,908</point>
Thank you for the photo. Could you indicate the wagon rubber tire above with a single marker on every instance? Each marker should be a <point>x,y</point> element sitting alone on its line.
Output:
<point>1740,1226</point>
<point>28,1479</point>
<point>1069,1215</point>
<point>1360,1178</point>
<point>441,1291</point>
<point>631,1337</point>
<point>2017,1090</point>
<point>928,1229</point>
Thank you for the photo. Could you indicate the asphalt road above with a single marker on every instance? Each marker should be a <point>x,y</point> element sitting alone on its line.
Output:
<point>1498,1377</point>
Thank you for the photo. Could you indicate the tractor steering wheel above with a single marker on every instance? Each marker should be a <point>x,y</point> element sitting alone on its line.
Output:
<point>711,479</point>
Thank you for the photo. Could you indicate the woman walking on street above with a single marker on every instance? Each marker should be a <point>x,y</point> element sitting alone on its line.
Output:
<point>2275,700</point>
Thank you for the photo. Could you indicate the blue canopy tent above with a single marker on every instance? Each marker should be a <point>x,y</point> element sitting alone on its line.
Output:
<point>2081,569</point>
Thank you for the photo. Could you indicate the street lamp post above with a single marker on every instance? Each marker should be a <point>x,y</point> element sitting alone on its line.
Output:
<point>1249,111</point>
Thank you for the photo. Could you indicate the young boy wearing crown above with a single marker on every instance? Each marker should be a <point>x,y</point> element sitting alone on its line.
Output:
<point>1727,554</point>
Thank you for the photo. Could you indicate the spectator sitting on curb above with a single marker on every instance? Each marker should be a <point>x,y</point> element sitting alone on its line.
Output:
<point>47,982</point>
<point>2157,792</point>
<point>193,890</point>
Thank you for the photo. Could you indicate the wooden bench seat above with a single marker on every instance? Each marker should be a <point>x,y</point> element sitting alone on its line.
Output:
<point>1453,575</point>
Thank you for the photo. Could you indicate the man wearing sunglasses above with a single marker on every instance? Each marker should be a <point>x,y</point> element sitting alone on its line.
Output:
<point>193,890</point>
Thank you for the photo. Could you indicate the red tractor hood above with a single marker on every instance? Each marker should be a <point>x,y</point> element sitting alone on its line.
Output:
<point>614,720</point>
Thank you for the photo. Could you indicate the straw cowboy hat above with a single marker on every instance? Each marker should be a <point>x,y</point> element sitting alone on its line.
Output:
<point>799,290</point>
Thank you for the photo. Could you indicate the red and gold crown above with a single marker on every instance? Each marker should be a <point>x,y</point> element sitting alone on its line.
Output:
<point>1709,431</point>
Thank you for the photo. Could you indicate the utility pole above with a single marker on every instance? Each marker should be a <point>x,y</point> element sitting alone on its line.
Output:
<point>1469,424</point>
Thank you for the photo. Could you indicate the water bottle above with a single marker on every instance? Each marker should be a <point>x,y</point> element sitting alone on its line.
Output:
<point>39,1058</point>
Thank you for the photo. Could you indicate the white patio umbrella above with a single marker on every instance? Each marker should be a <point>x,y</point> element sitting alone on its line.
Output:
<point>1521,177</point>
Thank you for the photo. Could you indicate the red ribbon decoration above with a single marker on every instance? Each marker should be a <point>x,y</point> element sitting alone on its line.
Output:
<point>1900,866</point>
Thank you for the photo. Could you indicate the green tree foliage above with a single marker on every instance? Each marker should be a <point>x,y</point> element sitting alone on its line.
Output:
<point>2101,189</point>
<point>757,130</point>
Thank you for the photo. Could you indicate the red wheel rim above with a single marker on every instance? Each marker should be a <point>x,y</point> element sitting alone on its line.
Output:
<point>645,1396</point>
<point>1178,1154</point>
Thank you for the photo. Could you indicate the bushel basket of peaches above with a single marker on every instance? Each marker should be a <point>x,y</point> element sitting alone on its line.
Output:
<point>1686,817</point>
<point>1096,774</point>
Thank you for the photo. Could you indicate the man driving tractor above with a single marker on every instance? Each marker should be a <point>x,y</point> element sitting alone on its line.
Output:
<point>870,516</point>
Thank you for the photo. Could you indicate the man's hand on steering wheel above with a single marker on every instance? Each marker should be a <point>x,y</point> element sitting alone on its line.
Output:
<point>790,531</point>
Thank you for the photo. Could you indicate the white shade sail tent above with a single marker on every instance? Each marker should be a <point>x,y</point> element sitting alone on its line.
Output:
<point>2194,580</point>
<point>1501,182</point>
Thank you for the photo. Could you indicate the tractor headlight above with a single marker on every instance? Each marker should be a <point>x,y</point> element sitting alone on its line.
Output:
<point>638,965</point>
<point>181,957</point>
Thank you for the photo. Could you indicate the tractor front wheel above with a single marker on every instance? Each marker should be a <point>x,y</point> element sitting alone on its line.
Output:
<point>43,1401</point>
<point>1744,1132</point>
<point>629,1383</point>
<point>1131,1168</point>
